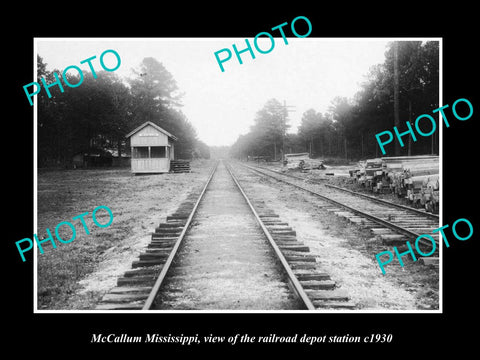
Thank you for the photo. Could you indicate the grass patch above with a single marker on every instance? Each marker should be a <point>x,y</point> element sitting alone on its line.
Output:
<point>138,205</point>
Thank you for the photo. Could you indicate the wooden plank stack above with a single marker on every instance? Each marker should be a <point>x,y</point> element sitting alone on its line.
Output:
<point>302,161</point>
<point>413,177</point>
<point>368,172</point>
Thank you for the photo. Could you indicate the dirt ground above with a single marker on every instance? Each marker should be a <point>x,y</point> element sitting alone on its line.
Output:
<point>346,251</point>
<point>77,274</point>
<point>225,261</point>
<point>337,175</point>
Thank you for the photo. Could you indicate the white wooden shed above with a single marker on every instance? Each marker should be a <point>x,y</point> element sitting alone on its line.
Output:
<point>152,149</point>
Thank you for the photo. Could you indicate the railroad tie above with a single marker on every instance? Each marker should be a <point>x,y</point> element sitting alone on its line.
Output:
<point>133,288</point>
<point>352,206</point>
<point>317,284</point>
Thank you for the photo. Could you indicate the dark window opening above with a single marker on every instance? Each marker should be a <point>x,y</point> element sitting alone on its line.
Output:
<point>140,152</point>
<point>158,152</point>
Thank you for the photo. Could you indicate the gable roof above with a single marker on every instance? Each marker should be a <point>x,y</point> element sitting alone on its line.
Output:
<point>155,126</point>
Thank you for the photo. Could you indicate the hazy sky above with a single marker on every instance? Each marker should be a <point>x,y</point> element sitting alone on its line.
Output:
<point>306,73</point>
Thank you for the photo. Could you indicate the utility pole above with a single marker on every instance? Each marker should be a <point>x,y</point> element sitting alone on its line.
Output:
<point>284,120</point>
<point>396,103</point>
<point>285,110</point>
<point>410,122</point>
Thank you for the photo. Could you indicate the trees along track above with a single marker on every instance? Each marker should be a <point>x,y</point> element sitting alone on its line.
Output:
<point>141,288</point>
<point>393,223</point>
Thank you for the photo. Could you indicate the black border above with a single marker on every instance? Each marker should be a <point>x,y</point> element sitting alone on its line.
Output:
<point>413,333</point>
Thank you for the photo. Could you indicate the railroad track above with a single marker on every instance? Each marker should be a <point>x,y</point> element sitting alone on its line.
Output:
<point>198,257</point>
<point>394,224</point>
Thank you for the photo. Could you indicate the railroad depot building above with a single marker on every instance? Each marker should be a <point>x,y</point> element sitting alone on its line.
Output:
<point>152,149</point>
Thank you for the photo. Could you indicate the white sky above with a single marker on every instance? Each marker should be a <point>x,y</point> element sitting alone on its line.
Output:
<point>306,73</point>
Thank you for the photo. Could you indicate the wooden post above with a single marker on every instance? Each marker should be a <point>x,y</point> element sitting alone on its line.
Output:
<point>362,144</point>
<point>396,102</point>
<point>284,119</point>
<point>119,149</point>
<point>410,122</point>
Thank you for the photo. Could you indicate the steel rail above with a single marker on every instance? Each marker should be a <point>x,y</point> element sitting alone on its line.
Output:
<point>376,219</point>
<point>373,198</point>
<point>381,201</point>
<point>297,287</point>
<point>166,267</point>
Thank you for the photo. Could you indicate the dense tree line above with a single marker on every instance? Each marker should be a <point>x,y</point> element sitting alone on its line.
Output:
<point>267,135</point>
<point>347,129</point>
<point>102,110</point>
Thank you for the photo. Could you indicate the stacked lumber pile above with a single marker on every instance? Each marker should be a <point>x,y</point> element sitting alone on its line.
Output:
<point>368,172</point>
<point>430,194</point>
<point>415,178</point>
<point>302,161</point>
<point>259,159</point>
<point>180,166</point>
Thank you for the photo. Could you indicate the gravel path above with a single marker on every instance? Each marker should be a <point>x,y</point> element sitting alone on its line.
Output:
<point>226,262</point>
<point>76,275</point>
<point>342,250</point>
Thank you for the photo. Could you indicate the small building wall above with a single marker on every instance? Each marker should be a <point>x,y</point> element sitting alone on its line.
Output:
<point>149,136</point>
<point>92,158</point>
<point>150,165</point>
<point>123,161</point>
<point>152,149</point>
